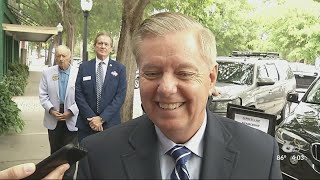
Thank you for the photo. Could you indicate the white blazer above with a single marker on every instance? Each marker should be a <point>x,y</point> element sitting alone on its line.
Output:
<point>49,97</point>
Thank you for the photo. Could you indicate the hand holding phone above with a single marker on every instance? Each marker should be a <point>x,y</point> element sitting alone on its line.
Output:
<point>67,154</point>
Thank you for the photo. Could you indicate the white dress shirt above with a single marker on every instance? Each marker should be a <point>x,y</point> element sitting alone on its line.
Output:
<point>195,145</point>
<point>104,66</point>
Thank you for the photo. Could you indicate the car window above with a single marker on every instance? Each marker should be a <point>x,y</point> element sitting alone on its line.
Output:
<point>314,94</point>
<point>285,71</point>
<point>234,72</point>
<point>262,72</point>
<point>272,72</point>
<point>290,74</point>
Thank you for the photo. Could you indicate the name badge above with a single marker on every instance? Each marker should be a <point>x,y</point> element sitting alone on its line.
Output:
<point>87,78</point>
<point>55,77</point>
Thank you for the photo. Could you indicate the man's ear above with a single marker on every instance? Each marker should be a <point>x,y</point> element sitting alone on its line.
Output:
<point>213,78</point>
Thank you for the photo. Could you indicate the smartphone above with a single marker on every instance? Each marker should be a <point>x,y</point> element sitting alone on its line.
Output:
<point>69,153</point>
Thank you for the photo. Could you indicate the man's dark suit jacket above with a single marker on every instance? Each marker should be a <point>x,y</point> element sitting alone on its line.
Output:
<point>112,96</point>
<point>130,151</point>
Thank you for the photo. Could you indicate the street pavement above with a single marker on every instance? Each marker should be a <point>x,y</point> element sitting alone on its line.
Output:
<point>32,145</point>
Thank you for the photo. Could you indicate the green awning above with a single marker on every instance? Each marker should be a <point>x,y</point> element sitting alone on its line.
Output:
<point>30,33</point>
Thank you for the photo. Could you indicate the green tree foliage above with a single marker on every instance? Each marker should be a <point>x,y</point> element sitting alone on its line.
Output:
<point>290,27</point>
<point>43,12</point>
<point>286,26</point>
<point>230,21</point>
<point>51,13</point>
<point>105,15</point>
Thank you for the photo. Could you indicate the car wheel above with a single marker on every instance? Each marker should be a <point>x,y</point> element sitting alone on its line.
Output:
<point>136,83</point>
<point>284,113</point>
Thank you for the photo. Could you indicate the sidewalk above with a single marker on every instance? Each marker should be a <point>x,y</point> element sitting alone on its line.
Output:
<point>31,145</point>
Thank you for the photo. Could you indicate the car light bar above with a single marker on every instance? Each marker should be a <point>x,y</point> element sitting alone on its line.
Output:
<point>257,54</point>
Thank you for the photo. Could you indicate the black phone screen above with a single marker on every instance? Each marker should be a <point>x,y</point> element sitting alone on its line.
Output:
<point>67,154</point>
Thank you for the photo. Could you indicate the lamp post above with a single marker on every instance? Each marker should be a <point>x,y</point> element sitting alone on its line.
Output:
<point>60,29</point>
<point>86,6</point>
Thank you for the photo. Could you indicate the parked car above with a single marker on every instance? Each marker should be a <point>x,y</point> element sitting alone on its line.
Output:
<point>298,136</point>
<point>305,74</point>
<point>76,61</point>
<point>256,80</point>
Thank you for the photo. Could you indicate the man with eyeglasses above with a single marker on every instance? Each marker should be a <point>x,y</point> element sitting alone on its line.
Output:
<point>100,89</point>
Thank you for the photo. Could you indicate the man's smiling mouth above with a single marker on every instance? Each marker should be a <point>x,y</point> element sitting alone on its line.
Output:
<point>170,106</point>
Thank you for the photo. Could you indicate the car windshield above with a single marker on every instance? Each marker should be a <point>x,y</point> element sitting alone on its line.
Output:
<point>314,95</point>
<point>236,73</point>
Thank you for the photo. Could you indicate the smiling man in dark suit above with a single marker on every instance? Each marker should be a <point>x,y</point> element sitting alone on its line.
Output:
<point>100,89</point>
<point>178,138</point>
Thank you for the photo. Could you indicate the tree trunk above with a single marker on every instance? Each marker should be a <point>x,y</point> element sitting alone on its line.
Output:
<point>69,27</point>
<point>52,44</point>
<point>132,15</point>
<point>48,59</point>
<point>39,50</point>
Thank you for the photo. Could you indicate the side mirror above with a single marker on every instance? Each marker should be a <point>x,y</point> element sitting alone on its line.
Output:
<point>265,81</point>
<point>293,97</point>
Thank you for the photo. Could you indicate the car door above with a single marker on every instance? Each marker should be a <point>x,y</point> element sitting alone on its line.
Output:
<point>267,94</point>
<point>261,93</point>
<point>276,91</point>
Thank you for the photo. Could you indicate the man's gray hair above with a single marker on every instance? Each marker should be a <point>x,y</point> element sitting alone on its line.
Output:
<point>168,22</point>
<point>60,48</point>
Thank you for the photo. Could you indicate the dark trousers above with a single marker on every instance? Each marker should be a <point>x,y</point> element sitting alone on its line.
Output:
<point>60,137</point>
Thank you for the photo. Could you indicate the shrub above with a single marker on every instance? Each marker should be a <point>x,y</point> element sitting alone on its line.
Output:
<point>14,84</point>
<point>16,79</point>
<point>9,112</point>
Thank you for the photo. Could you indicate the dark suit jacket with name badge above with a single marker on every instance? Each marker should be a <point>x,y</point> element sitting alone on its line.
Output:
<point>112,96</point>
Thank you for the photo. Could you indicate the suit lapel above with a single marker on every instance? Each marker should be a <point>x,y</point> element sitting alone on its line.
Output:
<point>219,157</point>
<point>70,82</point>
<point>56,82</point>
<point>93,74</point>
<point>108,74</point>
<point>143,162</point>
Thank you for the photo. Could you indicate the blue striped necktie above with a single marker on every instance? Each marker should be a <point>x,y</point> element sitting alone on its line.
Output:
<point>181,155</point>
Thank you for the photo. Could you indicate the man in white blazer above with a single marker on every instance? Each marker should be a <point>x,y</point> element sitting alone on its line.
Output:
<point>57,97</point>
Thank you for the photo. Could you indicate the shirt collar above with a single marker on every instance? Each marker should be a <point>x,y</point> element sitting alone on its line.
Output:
<point>67,71</point>
<point>106,60</point>
<point>195,144</point>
